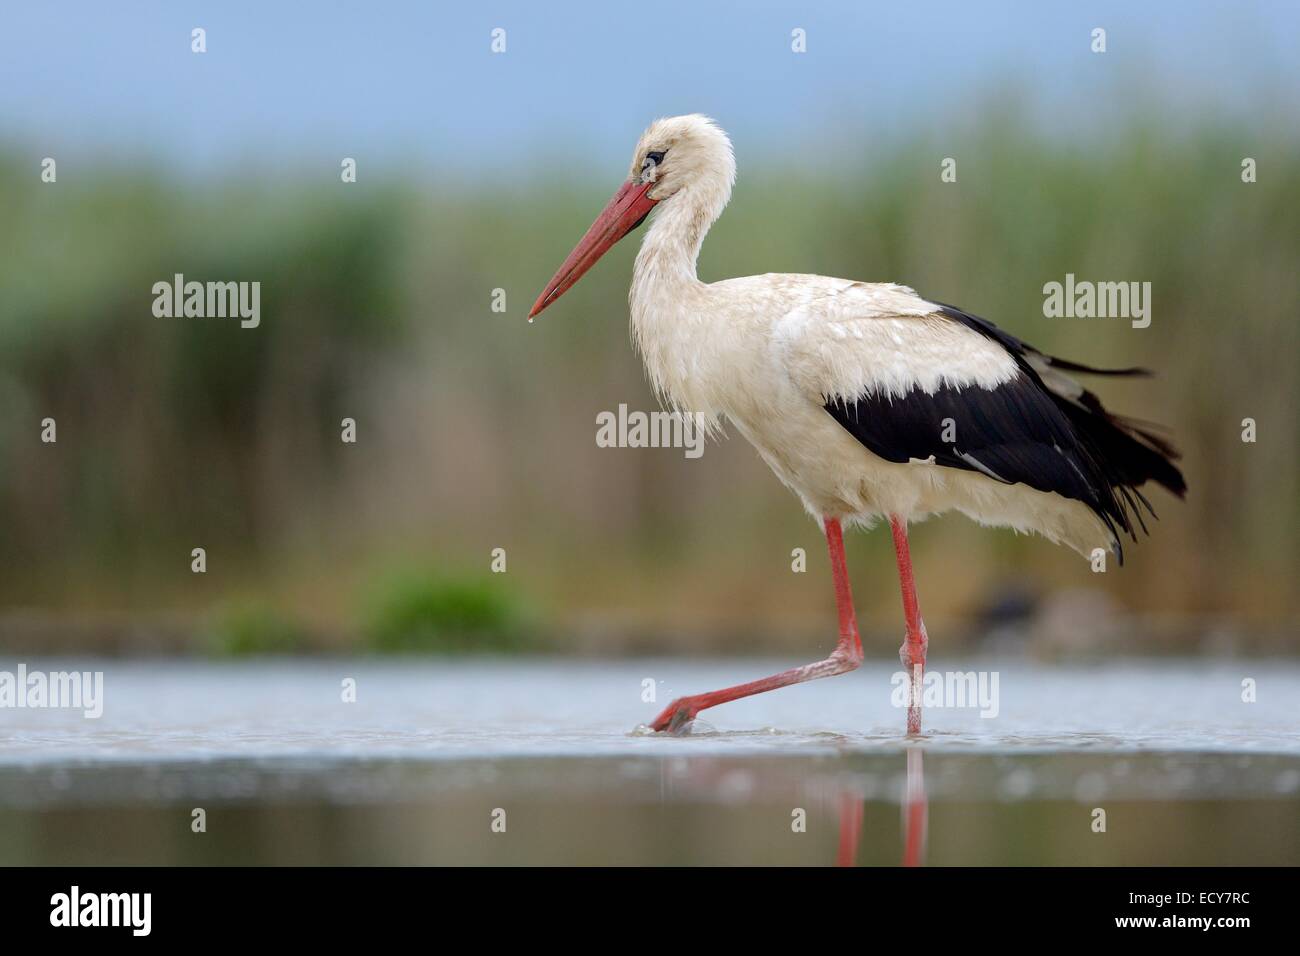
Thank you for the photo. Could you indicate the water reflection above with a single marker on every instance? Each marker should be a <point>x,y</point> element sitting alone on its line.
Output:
<point>915,816</point>
<point>916,810</point>
<point>851,809</point>
<point>816,809</point>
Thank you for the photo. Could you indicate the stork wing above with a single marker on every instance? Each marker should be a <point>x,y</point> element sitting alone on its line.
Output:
<point>919,381</point>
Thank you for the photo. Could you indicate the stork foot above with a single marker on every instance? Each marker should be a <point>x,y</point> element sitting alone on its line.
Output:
<point>912,657</point>
<point>676,716</point>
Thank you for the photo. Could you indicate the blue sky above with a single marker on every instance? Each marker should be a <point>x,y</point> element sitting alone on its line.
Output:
<point>415,81</point>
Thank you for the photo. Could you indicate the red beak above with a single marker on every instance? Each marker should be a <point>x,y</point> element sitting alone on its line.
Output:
<point>624,213</point>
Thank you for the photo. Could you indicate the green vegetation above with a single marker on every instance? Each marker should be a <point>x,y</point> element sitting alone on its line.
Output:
<point>248,628</point>
<point>475,429</point>
<point>424,611</point>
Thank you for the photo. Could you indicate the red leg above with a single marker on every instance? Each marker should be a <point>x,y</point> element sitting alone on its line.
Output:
<point>916,810</point>
<point>846,656</point>
<point>912,653</point>
<point>850,828</point>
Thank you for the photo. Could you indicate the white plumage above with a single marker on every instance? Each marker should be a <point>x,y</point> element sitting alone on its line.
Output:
<point>865,399</point>
<point>765,352</point>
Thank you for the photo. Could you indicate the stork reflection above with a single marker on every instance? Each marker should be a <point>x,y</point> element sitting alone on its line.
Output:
<point>915,816</point>
<point>916,810</point>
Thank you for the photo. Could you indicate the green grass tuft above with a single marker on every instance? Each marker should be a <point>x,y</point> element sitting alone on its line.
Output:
<point>416,611</point>
<point>251,628</point>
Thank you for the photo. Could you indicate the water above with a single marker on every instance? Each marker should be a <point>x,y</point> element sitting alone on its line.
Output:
<point>434,757</point>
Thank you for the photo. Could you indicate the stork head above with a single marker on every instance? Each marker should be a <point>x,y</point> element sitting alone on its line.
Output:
<point>679,159</point>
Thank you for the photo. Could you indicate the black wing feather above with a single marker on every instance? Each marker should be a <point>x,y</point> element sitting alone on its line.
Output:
<point>1021,432</point>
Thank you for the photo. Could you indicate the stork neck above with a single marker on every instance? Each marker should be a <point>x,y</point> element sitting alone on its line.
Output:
<point>672,246</point>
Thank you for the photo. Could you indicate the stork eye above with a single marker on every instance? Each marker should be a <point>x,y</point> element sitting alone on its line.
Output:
<point>652,159</point>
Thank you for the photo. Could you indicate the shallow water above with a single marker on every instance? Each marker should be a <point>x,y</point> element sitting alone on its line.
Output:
<point>433,754</point>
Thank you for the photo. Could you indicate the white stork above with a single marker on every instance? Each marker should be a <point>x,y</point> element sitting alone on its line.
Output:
<point>867,400</point>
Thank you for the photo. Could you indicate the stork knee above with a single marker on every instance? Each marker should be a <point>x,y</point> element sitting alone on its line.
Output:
<point>912,653</point>
<point>847,659</point>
